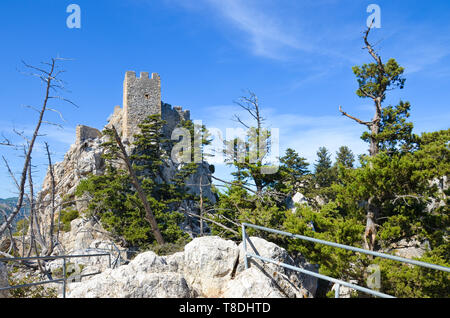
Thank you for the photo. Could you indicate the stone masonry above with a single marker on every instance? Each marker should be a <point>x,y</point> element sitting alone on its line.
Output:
<point>141,98</point>
<point>84,133</point>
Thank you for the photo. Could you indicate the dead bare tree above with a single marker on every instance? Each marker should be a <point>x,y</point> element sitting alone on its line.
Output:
<point>202,210</point>
<point>256,147</point>
<point>250,104</point>
<point>140,191</point>
<point>52,84</point>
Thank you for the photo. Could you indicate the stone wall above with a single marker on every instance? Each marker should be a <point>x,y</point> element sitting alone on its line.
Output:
<point>141,98</point>
<point>84,133</point>
<point>172,116</point>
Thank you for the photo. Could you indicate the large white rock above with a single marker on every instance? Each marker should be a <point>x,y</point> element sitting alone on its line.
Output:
<point>298,198</point>
<point>144,277</point>
<point>208,264</point>
<point>412,248</point>
<point>3,280</point>
<point>253,283</point>
<point>261,247</point>
<point>208,267</point>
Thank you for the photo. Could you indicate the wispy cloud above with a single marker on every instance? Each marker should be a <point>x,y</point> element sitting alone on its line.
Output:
<point>303,133</point>
<point>267,34</point>
<point>258,26</point>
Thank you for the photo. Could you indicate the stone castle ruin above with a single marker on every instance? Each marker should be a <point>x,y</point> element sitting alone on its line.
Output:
<point>141,98</point>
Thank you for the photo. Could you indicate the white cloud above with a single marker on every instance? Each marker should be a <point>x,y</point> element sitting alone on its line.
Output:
<point>303,133</point>
<point>268,34</point>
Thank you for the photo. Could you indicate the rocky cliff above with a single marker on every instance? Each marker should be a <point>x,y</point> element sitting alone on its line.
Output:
<point>84,158</point>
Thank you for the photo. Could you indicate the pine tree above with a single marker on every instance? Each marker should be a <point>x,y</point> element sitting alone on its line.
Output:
<point>345,157</point>
<point>116,201</point>
<point>293,169</point>
<point>374,81</point>
<point>323,174</point>
<point>249,156</point>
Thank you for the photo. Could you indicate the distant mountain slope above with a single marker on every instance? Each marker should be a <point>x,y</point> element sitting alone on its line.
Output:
<point>8,206</point>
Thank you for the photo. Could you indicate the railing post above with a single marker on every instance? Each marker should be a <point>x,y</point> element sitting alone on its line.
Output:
<point>337,290</point>
<point>244,245</point>
<point>64,277</point>
<point>109,260</point>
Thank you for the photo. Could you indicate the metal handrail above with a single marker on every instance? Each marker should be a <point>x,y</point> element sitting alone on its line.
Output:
<point>61,280</point>
<point>347,247</point>
<point>118,259</point>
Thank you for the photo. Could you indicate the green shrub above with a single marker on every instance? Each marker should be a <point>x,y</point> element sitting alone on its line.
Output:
<point>68,216</point>
<point>21,227</point>
<point>38,291</point>
<point>170,248</point>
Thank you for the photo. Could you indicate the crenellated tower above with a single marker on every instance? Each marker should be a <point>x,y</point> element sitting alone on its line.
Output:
<point>141,98</point>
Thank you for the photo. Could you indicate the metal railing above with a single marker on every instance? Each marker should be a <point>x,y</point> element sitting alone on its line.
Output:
<point>118,260</point>
<point>338,282</point>
<point>64,269</point>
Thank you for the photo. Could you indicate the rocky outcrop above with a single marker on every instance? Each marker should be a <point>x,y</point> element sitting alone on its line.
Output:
<point>297,198</point>
<point>295,284</point>
<point>208,264</point>
<point>208,267</point>
<point>147,276</point>
<point>3,280</point>
<point>84,158</point>
<point>86,233</point>
<point>410,248</point>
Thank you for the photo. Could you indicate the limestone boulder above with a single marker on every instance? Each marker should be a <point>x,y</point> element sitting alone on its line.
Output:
<point>208,267</point>
<point>147,276</point>
<point>411,248</point>
<point>261,247</point>
<point>297,198</point>
<point>208,264</point>
<point>253,283</point>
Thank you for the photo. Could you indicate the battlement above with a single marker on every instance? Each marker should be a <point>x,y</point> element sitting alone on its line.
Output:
<point>84,133</point>
<point>143,75</point>
<point>141,98</point>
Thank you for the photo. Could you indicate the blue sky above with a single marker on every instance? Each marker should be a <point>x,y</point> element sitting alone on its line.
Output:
<point>295,55</point>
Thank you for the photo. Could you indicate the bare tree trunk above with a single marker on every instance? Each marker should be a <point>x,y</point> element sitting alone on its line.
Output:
<point>12,244</point>
<point>149,214</point>
<point>251,105</point>
<point>36,230</point>
<point>23,240</point>
<point>59,225</point>
<point>201,205</point>
<point>52,214</point>
<point>32,211</point>
<point>377,97</point>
